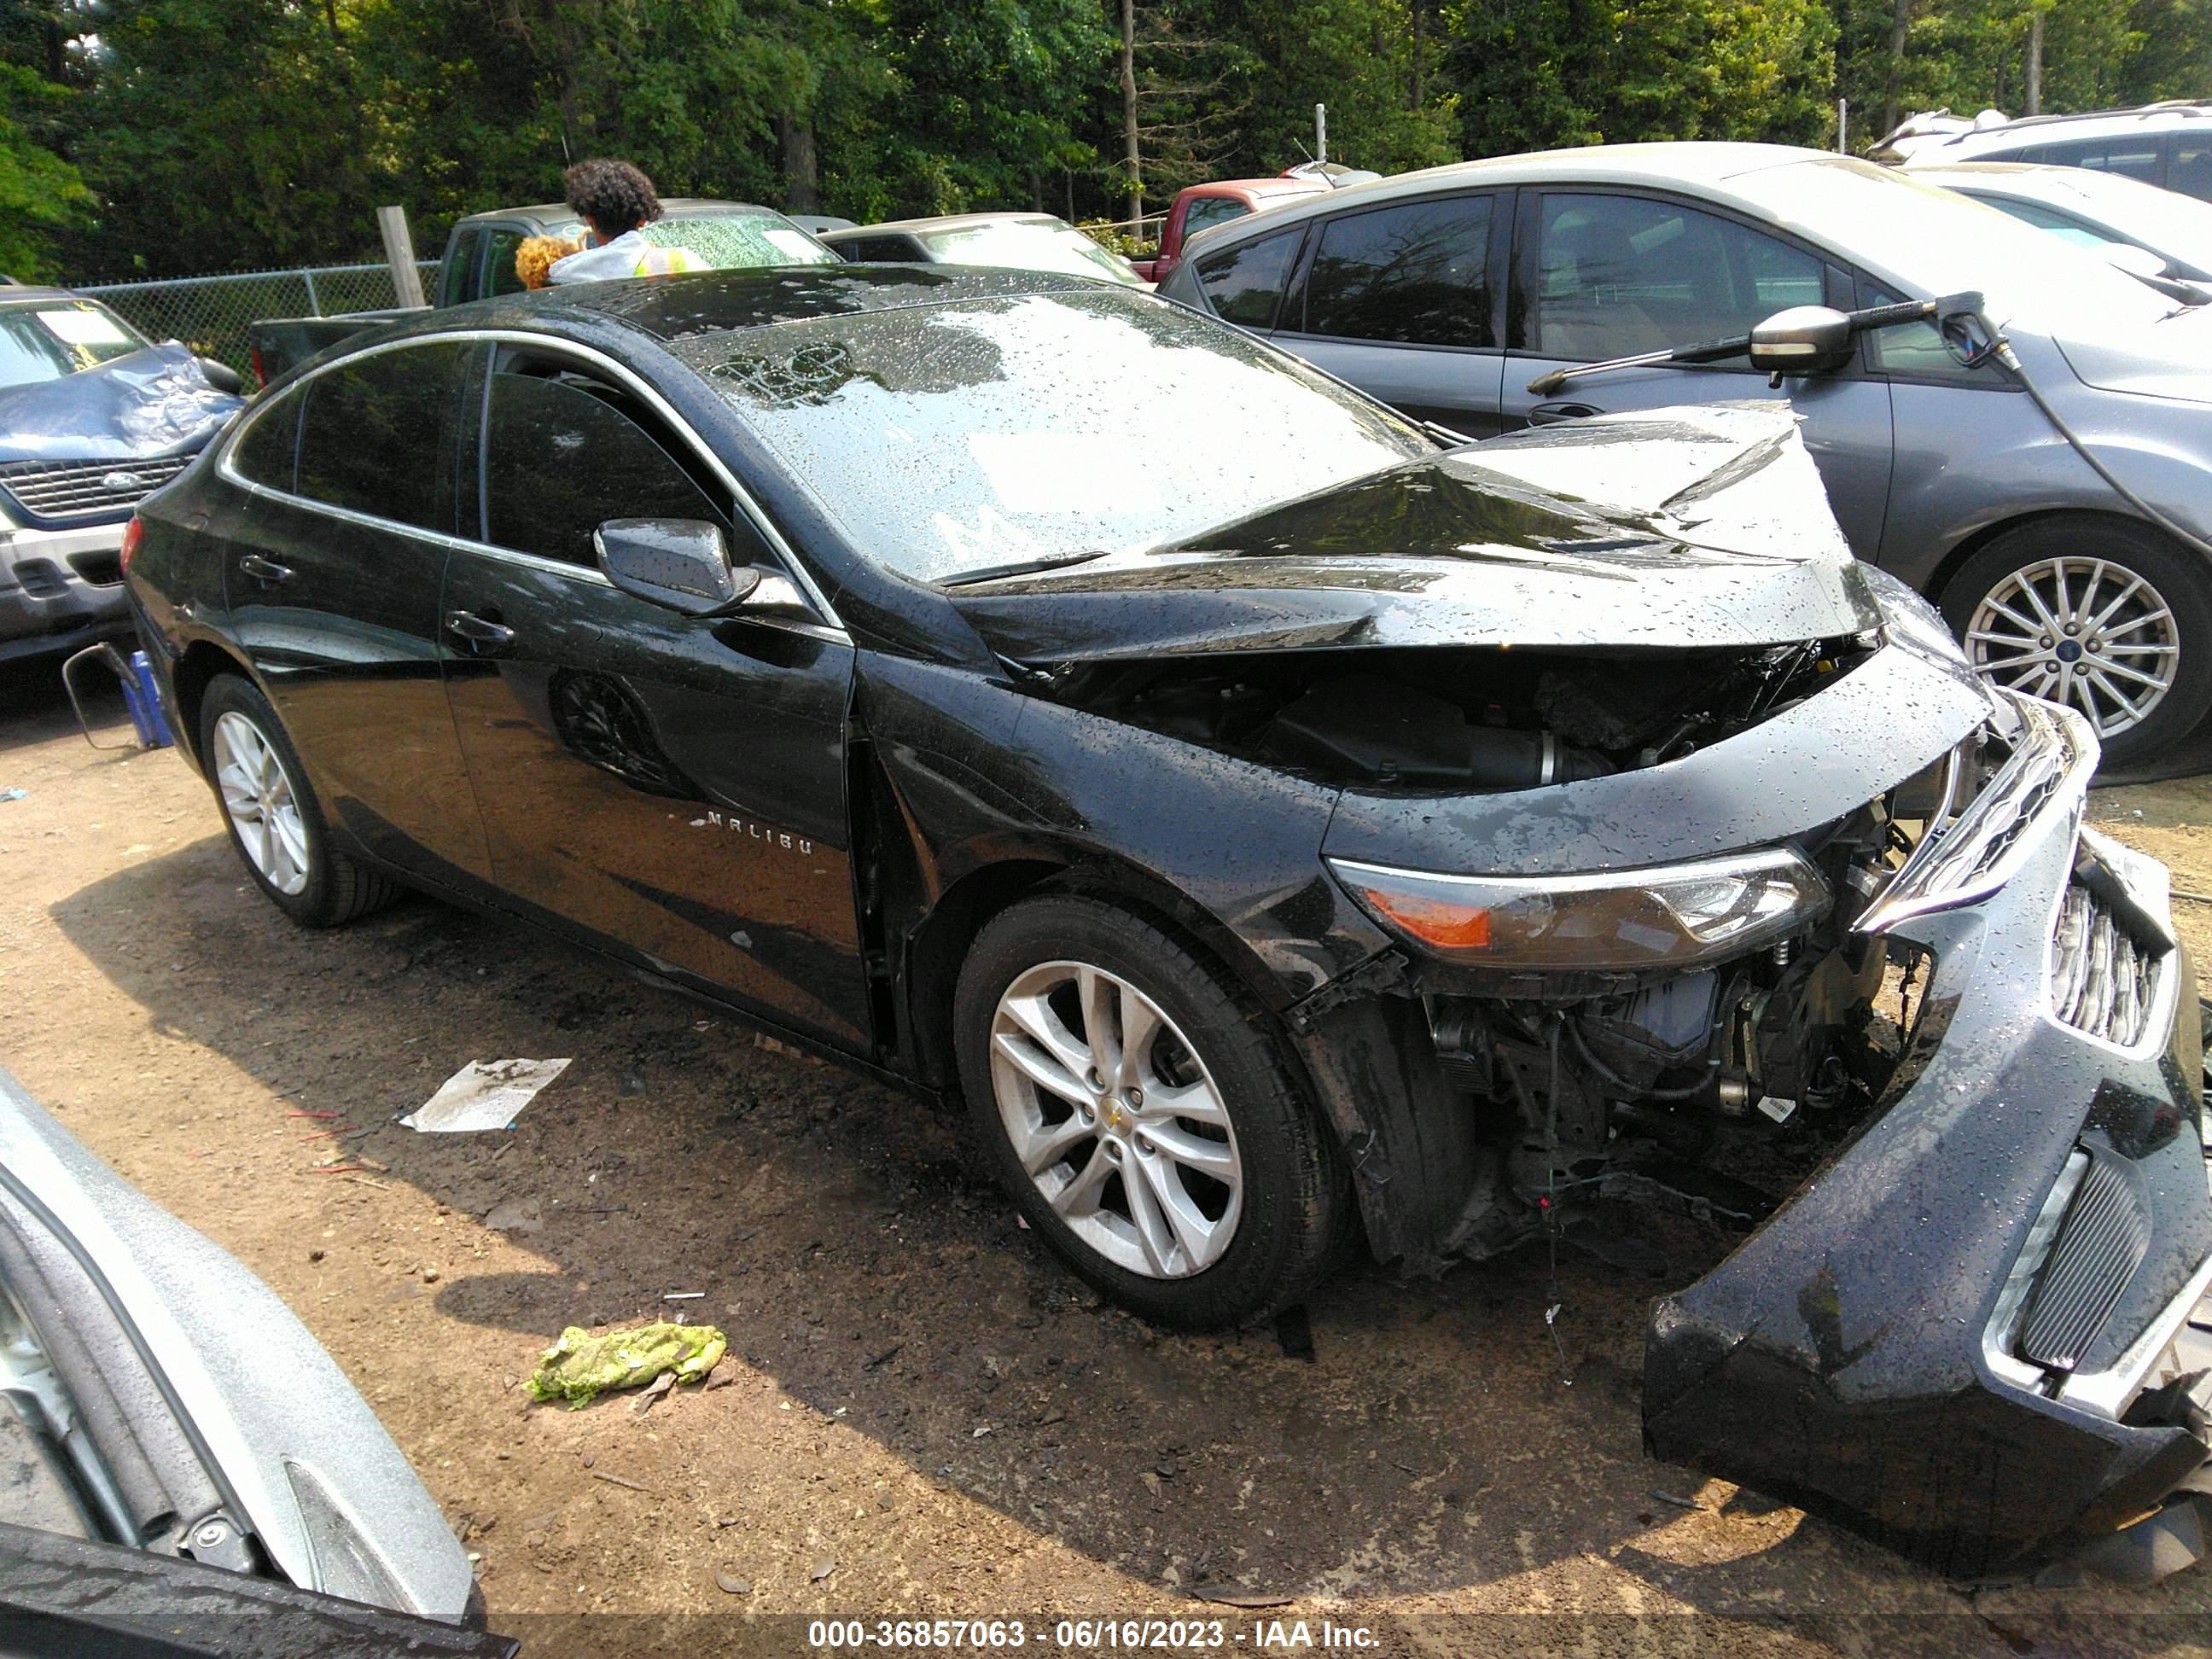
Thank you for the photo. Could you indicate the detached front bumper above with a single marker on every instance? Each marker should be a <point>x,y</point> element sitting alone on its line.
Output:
<point>60,589</point>
<point>1969,1336</point>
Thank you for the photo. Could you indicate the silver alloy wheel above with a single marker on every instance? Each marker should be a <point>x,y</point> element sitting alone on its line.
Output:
<point>2083,631</point>
<point>1114,1116</point>
<point>258,794</point>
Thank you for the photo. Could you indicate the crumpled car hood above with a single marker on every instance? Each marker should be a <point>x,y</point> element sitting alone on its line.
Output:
<point>154,402</point>
<point>1677,528</point>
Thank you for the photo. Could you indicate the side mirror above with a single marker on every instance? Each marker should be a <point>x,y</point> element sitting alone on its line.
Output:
<point>221,376</point>
<point>1802,340</point>
<point>681,563</point>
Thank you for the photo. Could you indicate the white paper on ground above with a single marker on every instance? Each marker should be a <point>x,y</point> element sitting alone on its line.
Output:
<point>486,1094</point>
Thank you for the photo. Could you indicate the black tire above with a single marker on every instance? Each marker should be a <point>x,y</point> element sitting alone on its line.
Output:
<point>337,887</point>
<point>2182,585</point>
<point>1295,1205</point>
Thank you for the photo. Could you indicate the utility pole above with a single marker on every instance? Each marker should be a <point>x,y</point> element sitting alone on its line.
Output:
<point>2034,62</point>
<point>1842,126</point>
<point>1320,134</point>
<point>1134,208</point>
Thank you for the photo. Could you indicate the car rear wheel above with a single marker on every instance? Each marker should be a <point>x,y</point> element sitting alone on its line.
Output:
<point>2098,614</point>
<point>1148,1126</point>
<point>276,824</point>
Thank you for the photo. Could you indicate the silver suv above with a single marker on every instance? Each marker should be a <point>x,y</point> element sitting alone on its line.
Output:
<point>2168,144</point>
<point>1447,293</point>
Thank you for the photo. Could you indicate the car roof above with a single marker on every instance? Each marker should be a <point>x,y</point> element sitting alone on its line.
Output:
<point>2041,129</point>
<point>1259,187</point>
<point>22,293</point>
<point>722,302</point>
<point>672,207</point>
<point>2063,186</point>
<point>940,222</point>
<point>1669,165</point>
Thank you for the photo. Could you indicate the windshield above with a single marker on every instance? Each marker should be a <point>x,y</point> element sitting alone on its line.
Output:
<point>1029,245</point>
<point>729,241</point>
<point>45,342</point>
<point>1938,242</point>
<point>738,240</point>
<point>960,437</point>
<point>2163,220</point>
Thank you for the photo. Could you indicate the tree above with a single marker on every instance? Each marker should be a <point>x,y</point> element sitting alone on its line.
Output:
<point>1537,73</point>
<point>43,198</point>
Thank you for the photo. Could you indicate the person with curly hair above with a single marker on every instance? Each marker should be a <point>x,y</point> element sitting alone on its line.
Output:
<point>615,200</point>
<point>536,256</point>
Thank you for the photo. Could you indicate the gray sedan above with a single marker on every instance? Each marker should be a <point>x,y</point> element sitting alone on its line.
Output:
<point>1448,292</point>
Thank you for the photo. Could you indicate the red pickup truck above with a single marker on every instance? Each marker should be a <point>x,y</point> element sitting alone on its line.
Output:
<point>1202,207</point>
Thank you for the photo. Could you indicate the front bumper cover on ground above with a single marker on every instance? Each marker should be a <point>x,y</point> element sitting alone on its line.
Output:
<point>1864,1354</point>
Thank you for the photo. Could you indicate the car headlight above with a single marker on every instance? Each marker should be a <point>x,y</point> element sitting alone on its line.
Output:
<point>1672,915</point>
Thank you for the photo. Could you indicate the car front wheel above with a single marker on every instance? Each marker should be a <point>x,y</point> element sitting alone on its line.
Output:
<point>1146,1124</point>
<point>276,824</point>
<point>2099,614</point>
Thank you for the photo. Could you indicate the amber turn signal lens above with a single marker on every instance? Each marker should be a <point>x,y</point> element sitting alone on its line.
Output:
<point>1448,927</point>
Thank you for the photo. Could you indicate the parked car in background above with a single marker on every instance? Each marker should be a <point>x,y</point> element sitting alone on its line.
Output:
<point>479,263</point>
<point>1275,825</point>
<point>92,419</point>
<point>2095,210</point>
<point>2167,144</point>
<point>1202,207</point>
<point>819,224</point>
<point>1009,242</point>
<point>159,1407</point>
<point>1448,292</point>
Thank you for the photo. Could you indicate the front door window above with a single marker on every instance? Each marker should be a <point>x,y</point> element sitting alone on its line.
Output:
<point>1621,275</point>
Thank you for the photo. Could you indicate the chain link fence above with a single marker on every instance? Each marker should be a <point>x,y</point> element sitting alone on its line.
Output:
<point>210,314</point>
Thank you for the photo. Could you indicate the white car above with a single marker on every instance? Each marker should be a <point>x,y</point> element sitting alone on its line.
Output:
<point>2099,211</point>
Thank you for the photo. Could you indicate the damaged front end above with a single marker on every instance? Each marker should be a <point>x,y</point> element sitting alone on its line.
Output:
<point>1711,879</point>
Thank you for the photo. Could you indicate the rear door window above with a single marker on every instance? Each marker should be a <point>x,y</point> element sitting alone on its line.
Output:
<point>1203,212</point>
<point>1617,274</point>
<point>564,453</point>
<point>2136,158</point>
<point>1416,274</point>
<point>1244,284</point>
<point>264,450</point>
<point>373,429</point>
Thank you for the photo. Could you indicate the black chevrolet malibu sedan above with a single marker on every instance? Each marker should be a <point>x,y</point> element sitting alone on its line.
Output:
<point>1281,829</point>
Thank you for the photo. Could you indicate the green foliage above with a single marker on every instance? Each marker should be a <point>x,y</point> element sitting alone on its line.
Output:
<point>188,136</point>
<point>41,196</point>
<point>1539,73</point>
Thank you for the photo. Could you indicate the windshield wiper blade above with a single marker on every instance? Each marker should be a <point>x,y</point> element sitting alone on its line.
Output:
<point>1022,568</point>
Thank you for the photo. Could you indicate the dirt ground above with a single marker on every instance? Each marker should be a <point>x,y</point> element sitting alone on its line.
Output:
<point>929,1417</point>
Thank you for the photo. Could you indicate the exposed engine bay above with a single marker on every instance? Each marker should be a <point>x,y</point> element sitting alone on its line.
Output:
<point>1424,721</point>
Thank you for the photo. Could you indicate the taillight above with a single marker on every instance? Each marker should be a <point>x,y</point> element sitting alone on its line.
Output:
<point>260,374</point>
<point>133,533</point>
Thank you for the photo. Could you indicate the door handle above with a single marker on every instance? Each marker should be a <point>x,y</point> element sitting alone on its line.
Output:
<point>1553,414</point>
<point>484,635</point>
<point>265,570</point>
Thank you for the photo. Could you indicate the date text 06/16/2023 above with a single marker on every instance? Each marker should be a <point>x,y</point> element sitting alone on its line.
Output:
<point>1089,1635</point>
